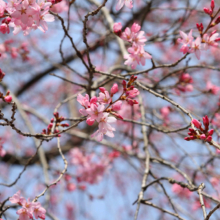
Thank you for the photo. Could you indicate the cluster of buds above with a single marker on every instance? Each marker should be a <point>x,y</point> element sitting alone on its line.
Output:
<point>101,108</point>
<point>202,133</point>
<point>185,83</point>
<point>200,27</point>
<point>210,11</point>
<point>130,91</point>
<point>7,98</point>
<point>58,119</point>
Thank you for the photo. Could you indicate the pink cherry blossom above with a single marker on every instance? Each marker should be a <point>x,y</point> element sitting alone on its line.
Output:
<point>196,47</point>
<point>104,98</point>
<point>38,210</point>
<point>121,3</point>
<point>212,88</point>
<point>117,106</point>
<point>96,111</point>
<point>114,89</point>
<point>132,93</point>
<point>24,214</point>
<point>16,198</point>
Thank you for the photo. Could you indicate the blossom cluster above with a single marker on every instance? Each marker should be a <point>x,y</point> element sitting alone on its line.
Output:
<point>29,209</point>
<point>88,169</point>
<point>7,48</point>
<point>136,38</point>
<point>202,133</point>
<point>57,122</point>
<point>100,108</point>
<point>184,84</point>
<point>204,41</point>
<point>25,15</point>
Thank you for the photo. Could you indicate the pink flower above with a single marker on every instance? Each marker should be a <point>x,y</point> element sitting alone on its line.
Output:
<point>121,3</point>
<point>84,101</point>
<point>212,88</point>
<point>96,111</point>
<point>186,39</point>
<point>135,28</point>
<point>139,38</point>
<point>132,93</point>
<point>38,210</point>
<point>196,47</point>
<point>117,106</point>
<point>104,98</point>
<point>16,198</point>
<point>24,214</point>
<point>117,28</point>
<point>210,40</point>
<point>127,35</point>
<point>105,127</point>
<point>2,8</point>
<point>131,60</point>
<point>114,89</point>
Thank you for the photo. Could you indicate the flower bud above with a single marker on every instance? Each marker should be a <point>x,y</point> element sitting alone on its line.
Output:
<point>211,132</point>
<point>90,121</point>
<point>8,98</point>
<point>206,122</point>
<point>117,28</point>
<point>209,138</point>
<point>197,123</point>
<point>102,89</point>
<point>212,5</point>
<point>203,137</point>
<point>114,89</point>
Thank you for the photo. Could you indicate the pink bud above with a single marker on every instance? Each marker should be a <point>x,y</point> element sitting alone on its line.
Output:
<point>124,84</point>
<point>203,137</point>
<point>8,98</point>
<point>65,125</point>
<point>114,89</point>
<point>71,187</point>
<point>56,114</point>
<point>117,106</point>
<point>197,123</point>
<point>211,132</point>
<point>67,177</point>
<point>187,138</point>
<point>102,89</point>
<point>50,126</point>
<point>117,27</point>
<point>212,4</point>
<point>209,138</point>
<point>207,11</point>
<point>94,99</point>
<point>206,122</point>
<point>52,120</point>
<point>135,28</point>
<point>90,121</point>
